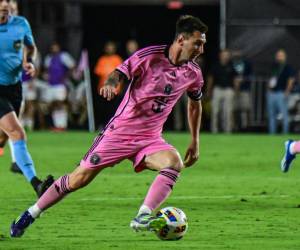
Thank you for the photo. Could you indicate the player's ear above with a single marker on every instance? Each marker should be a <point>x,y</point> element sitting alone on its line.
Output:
<point>180,39</point>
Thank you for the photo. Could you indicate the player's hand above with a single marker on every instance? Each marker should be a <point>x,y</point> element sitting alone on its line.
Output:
<point>108,92</point>
<point>29,69</point>
<point>192,154</point>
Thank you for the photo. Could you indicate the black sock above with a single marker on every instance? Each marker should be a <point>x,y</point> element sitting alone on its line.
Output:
<point>35,182</point>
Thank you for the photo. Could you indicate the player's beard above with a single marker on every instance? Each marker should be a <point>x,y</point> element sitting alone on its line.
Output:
<point>3,15</point>
<point>194,56</point>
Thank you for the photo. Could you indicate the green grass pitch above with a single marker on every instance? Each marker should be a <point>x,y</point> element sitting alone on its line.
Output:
<point>235,197</point>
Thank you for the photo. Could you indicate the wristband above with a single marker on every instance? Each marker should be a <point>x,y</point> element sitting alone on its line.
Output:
<point>29,60</point>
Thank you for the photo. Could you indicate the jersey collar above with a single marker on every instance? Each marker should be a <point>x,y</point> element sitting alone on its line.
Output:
<point>10,19</point>
<point>166,53</point>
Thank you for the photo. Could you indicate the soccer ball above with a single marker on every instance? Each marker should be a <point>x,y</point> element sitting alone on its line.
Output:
<point>176,226</point>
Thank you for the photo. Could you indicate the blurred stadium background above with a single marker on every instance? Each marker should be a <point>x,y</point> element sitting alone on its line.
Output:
<point>256,29</point>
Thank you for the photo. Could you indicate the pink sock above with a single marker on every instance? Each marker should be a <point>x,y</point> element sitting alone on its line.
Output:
<point>161,188</point>
<point>58,190</point>
<point>295,147</point>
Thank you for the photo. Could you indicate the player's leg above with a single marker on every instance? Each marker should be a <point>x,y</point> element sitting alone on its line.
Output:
<point>101,154</point>
<point>3,140</point>
<point>228,109</point>
<point>14,166</point>
<point>215,106</point>
<point>283,109</point>
<point>79,178</point>
<point>291,148</point>
<point>169,165</point>
<point>59,112</point>
<point>10,124</point>
<point>271,107</point>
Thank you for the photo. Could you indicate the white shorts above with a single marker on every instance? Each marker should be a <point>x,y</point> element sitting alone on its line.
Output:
<point>56,93</point>
<point>29,90</point>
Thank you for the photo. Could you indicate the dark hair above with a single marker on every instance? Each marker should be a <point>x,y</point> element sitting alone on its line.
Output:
<point>189,24</point>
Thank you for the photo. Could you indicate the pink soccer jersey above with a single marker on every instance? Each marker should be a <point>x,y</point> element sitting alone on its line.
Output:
<point>155,86</point>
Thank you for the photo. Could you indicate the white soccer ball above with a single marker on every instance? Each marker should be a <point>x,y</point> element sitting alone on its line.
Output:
<point>176,226</point>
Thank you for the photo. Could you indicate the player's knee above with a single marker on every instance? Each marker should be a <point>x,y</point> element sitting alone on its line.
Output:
<point>178,166</point>
<point>175,163</point>
<point>16,133</point>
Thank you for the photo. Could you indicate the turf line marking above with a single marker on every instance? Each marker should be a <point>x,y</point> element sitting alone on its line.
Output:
<point>179,197</point>
<point>188,197</point>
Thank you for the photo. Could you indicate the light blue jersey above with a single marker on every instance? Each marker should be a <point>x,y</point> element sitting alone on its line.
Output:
<point>13,36</point>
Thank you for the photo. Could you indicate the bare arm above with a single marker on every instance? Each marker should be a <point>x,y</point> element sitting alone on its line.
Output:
<point>194,119</point>
<point>108,91</point>
<point>29,55</point>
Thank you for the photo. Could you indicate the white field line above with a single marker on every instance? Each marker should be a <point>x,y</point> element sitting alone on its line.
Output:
<point>212,197</point>
<point>188,197</point>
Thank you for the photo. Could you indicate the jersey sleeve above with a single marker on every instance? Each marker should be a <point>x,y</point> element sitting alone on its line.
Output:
<point>28,37</point>
<point>132,66</point>
<point>67,60</point>
<point>195,90</point>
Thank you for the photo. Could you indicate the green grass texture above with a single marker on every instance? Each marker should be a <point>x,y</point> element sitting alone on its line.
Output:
<point>235,197</point>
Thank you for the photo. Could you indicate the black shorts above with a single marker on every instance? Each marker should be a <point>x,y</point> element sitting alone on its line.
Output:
<point>10,99</point>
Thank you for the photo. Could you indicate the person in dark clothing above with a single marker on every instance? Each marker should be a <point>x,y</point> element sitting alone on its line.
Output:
<point>280,85</point>
<point>221,82</point>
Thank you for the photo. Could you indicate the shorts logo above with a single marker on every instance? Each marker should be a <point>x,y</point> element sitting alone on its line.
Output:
<point>95,159</point>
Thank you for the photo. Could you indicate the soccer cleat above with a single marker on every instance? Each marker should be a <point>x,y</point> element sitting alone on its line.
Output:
<point>146,222</point>
<point>287,158</point>
<point>18,226</point>
<point>15,168</point>
<point>1,151</point>
<point>44,185</point>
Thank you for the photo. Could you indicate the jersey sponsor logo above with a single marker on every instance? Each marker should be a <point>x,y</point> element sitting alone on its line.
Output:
<point>95,159</point>
<point>17,45</point>
<point>168,89</point>
<point>161,102</point>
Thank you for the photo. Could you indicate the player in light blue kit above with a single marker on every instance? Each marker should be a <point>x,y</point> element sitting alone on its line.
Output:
<point>15,34</point>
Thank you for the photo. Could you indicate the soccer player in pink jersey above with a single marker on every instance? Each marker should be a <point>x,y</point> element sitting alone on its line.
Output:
<point>157,76</point>
<point>292,148</point>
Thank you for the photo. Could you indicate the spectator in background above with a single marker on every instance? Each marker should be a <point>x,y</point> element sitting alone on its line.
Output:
<point>280,85</point>
<point>220,86</point>
<point>243,103</point>
<point>77,98</point>
<point>42,104</point>
<point>58,65</point>
<point>107,63</point>
<point>30,94</point>
<point>131,47</point>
